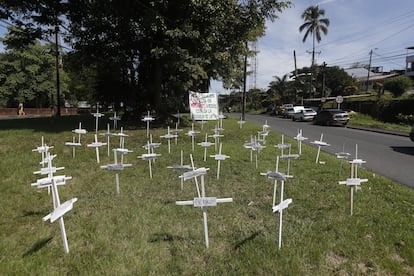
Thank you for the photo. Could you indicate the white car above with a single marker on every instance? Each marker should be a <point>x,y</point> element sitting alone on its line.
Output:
<point>306,114</point>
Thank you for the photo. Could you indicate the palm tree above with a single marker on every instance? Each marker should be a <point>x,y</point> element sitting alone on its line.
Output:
<point>280,86</point>
<point>314,25</point>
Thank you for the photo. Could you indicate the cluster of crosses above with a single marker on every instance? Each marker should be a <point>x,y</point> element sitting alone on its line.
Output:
<point>187,172</point>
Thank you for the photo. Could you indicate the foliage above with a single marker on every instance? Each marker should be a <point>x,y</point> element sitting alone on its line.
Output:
<point>336,81</point>
<point>28,75</point>
<point>150,52</point>
<point>398,85</point>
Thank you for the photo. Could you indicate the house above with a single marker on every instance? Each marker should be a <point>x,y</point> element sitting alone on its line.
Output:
<point>409,61</point>
<point>360,75</point>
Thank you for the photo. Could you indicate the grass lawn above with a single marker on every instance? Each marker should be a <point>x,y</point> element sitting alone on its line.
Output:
<point>142,231</point>
<point>359,119</point>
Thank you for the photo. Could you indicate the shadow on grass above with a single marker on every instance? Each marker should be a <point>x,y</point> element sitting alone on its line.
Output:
<point>37,246</point>
<point>247,239</point>
<point>166,237</point>
<point>32,213</point>
<point>68,123</point>
<point>405,150</point>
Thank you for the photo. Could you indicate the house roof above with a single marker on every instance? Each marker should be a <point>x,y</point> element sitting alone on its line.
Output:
<point>361,74</point>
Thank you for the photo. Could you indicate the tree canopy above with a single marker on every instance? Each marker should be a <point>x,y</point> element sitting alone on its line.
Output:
<point>150,51</point>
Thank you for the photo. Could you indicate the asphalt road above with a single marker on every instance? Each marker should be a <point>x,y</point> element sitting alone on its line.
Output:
<point>389,155</point>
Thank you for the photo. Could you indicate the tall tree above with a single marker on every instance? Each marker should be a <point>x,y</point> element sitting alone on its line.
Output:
<point>314,25</point>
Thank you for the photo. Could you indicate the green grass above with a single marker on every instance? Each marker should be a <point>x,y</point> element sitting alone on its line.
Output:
<point>359,119</point>
<point>142,231</point>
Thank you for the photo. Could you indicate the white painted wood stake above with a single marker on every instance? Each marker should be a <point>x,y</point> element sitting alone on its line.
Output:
<point>241,122</point>
<point>96,145</point>
<point>181,168</point>
<point>97,115</point>
<point>115,119</point>
<point>117,166</point>
<point>219,157</point>
<point>192,133</point>
<point>299,137</point>
<point>203,201</point>
<point>276,175</point>
<point>282,145</point>
<point>320,144</point>
<point>148,118</point>
<point>176,131</point>
<point>108,135</point>
<point>169,136</point>
<point>205,145</point>
<point>149,156</point>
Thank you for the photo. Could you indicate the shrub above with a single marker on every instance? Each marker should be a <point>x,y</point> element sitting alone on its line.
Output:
<point>398,85</point>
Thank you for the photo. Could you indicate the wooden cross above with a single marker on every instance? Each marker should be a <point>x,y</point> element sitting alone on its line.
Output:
<point>169,136</point>
<point>115,119</point>
<point>176,131</point>
<point>117,166</point>
<point>354,180</point>
<point>276,175</point>
<point>97,115</point>
<point>149,156</point>
<point>241,122</point>
<point>192,133</point>
<point>320,144</point>
<point>205,145</point>
<point>300,138</point>
<point>181,168</point>
<point>148,118</point>
<point>202,201</point>
<point>96,145</point>
<point>108,135</point>
<point>279,208</point>
<point>219,157</point>
<point>282,145</point>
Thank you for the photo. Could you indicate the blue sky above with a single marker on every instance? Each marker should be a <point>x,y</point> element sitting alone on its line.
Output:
<point>356,27</point>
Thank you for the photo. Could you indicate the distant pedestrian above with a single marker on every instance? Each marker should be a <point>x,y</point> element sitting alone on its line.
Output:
<point>21,111</point>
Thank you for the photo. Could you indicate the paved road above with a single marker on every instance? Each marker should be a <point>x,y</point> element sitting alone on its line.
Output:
<point>388,155</point>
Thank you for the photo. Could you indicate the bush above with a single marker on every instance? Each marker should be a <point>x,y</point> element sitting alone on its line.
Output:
<point>398,85</point>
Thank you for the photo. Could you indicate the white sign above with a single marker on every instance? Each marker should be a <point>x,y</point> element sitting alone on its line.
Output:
<point>205,201</point>
<point>339,99</point>
<point>203,106</point>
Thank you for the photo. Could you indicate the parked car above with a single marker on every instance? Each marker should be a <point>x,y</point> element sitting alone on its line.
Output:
<point>331,117</point>
<point>292,110</point>
<point>412,133</point>
<point>306,114</point>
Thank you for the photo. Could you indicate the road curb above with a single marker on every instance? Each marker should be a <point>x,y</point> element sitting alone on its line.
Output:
<point>384,131</point>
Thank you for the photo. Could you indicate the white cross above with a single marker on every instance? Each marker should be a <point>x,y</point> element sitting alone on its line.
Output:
<point>96,145</point>
<point>203,201</point>
<point>192,133</point>
<point>205,145</point>
<point>300,138</point>
<point>73,144</point>
<point>58,209</point>
<point>117,166</point>
<point>97,115</point>
<point>148,118</point>
<point>108,135</point>
<point>43,149</point>
<point>149,156</point>
<point>279,208</point>
<point>115,119</point>
<point>289,157</point>
<point>276,176</point>
<point>180,168</point>
<point>169,136</point>
<point>282,145</point>
<point>320,144</point>
<point>219,157</point>
<point>176,131</point>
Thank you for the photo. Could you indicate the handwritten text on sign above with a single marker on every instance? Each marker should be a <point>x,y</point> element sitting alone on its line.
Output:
<point>203,106</point>
<point>205,201</point>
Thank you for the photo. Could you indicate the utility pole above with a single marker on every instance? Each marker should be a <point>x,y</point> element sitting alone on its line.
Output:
<point>244,83</point>
<point>57,70</point>
<point>369,68</point>
<point>323,79</point>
